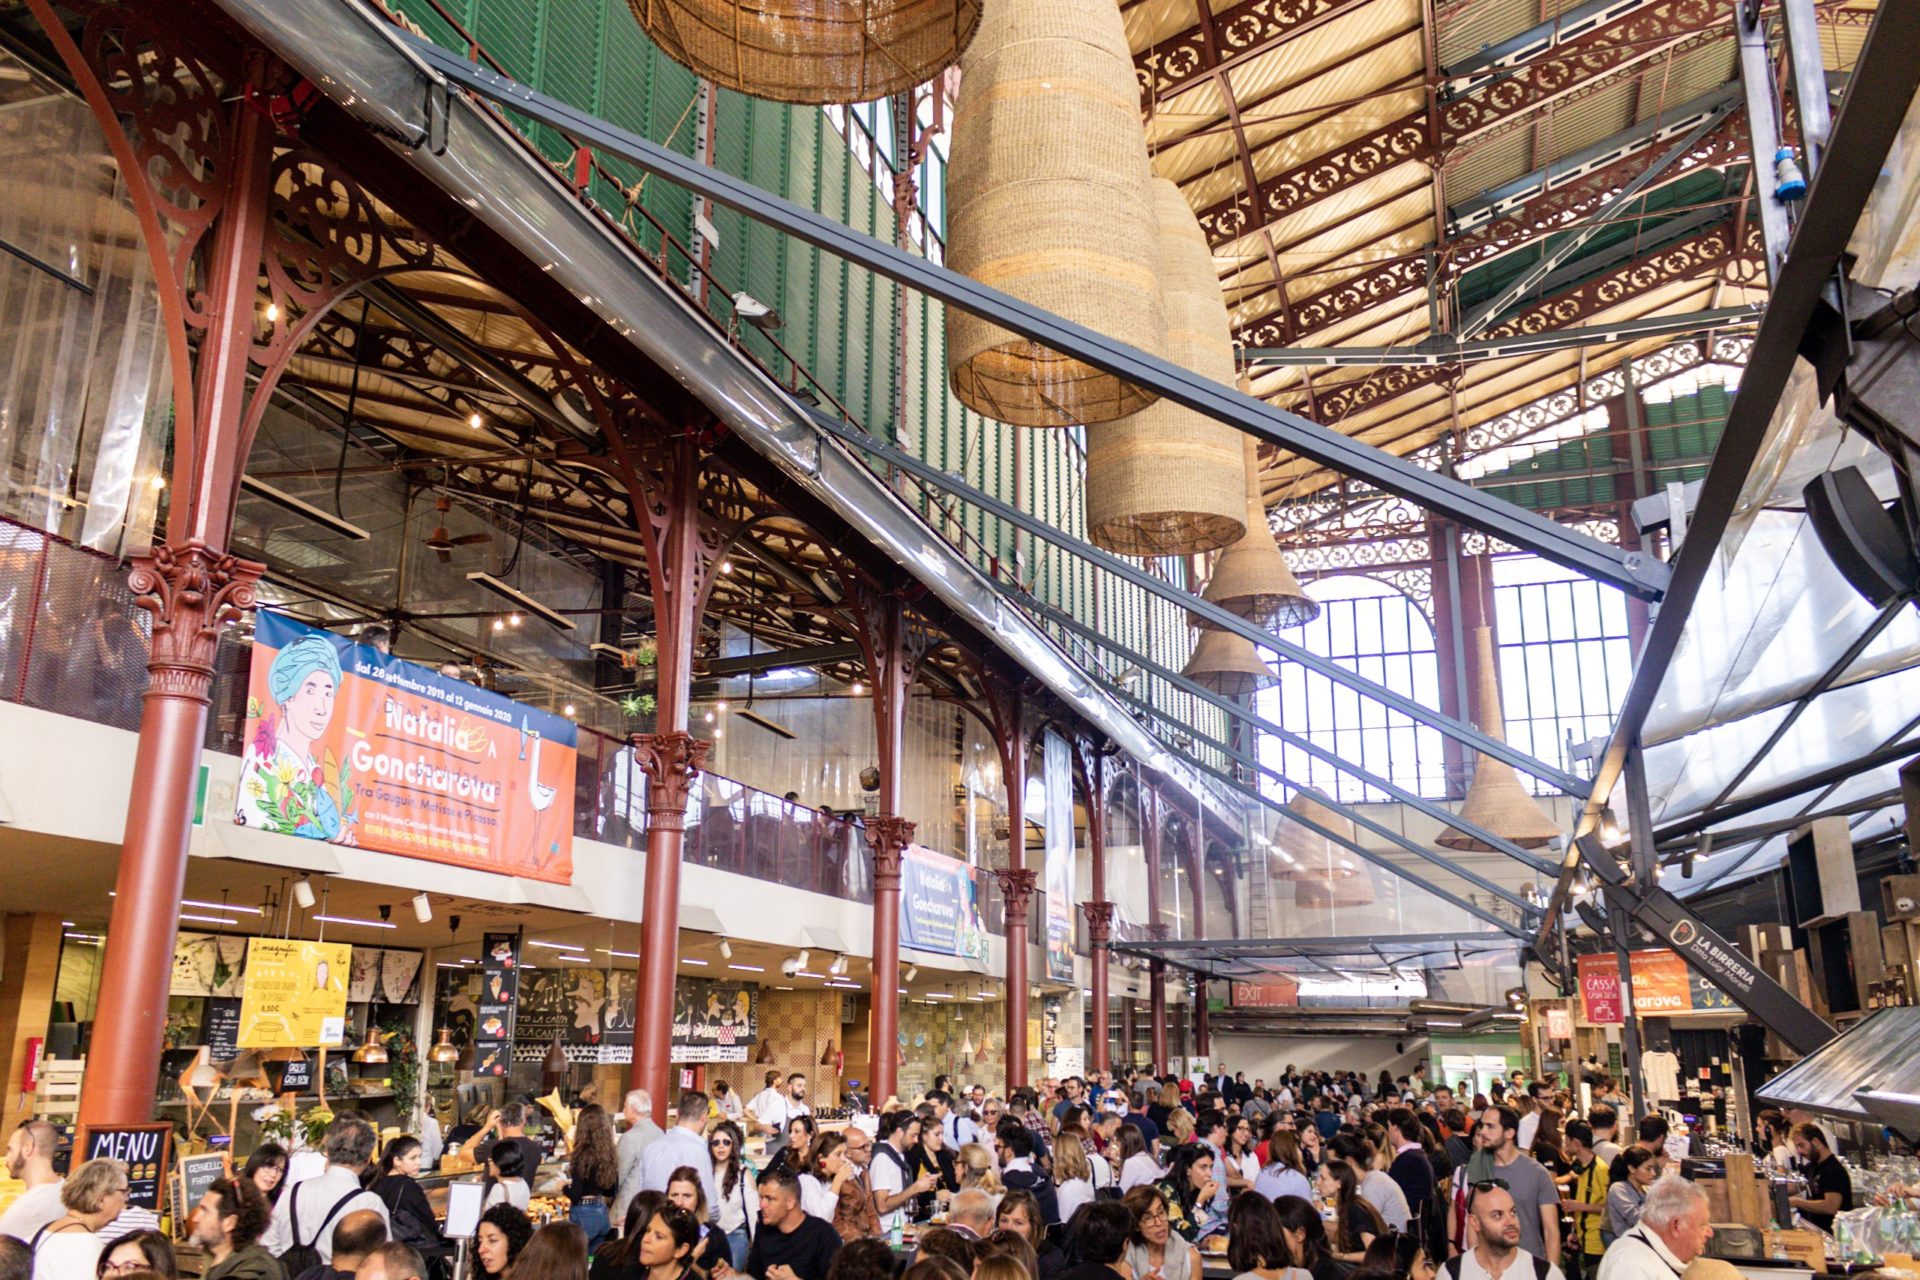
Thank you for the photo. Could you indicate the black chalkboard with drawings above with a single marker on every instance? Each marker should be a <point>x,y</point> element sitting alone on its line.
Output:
<point>221,1030</point>
<point>144,1148</point>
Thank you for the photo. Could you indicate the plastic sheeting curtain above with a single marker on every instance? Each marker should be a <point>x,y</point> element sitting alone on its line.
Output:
<point>85,393</point>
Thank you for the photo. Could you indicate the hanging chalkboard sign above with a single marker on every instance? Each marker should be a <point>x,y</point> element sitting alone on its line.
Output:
<point>143,1147</point>
<point>296,1075</point>
<point>221,1030</point>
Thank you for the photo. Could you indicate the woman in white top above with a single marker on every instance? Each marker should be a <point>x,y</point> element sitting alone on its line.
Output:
<point>504,1183</point>
<point>70,1245</point>
<point>1073,1175</point>
<point>1134,1167</point>
<point>1241,1166</point>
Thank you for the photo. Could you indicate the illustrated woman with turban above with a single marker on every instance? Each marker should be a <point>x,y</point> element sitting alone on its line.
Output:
<point>283,784</point>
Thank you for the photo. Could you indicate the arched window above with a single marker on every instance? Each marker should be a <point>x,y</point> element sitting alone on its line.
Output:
<point>1372,629</point>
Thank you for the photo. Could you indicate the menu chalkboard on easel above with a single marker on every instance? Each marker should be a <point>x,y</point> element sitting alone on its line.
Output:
<point>143,1147</point>
<point>192,1179</point>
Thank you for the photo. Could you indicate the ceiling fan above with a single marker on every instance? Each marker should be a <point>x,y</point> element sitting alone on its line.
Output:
<point>440,542</point>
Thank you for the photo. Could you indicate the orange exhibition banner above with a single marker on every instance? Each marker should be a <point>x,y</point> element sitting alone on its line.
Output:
<point>1661,984</point>
<point>351,746</point>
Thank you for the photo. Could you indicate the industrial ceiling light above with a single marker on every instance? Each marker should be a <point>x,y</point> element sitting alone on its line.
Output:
<point>305,510</point>
<point>521,598</point>
<point>839,966</point>
<point>422,908</point>
<point>913,971</point>
<point>303,893</point>
<point>374,1050</point>
<point>726,949</point>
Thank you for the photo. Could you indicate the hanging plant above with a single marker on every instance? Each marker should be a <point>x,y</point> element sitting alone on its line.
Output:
<point>403,1067</point>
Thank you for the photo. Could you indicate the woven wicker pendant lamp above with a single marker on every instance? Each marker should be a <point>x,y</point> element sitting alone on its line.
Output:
<point>1168,481</point>
<point>1305,854</point>
<point>812,52</point>
<point>1342,891</point>
<point>1496,800</point>
<point>1228,664</point>
<point>1251,577</point>
<point>1047,200</point>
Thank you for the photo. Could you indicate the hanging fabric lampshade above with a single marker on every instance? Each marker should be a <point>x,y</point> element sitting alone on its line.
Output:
<point>1251,577</point>
<point>1304,853</point>
<point>1168,481</point>
<point>1496,800</point>
<point>1047,200</point>
<point>802,51</point>
<point>1341,891</point>
<point>1227,664</point>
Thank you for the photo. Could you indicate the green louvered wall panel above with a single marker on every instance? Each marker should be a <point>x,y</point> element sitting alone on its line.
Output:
<point>839,321</point>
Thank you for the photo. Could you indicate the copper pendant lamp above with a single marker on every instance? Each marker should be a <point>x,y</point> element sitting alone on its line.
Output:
<point>1496,800</point>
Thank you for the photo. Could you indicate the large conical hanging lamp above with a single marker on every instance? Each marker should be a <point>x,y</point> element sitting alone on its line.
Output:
<point>810,52</point>
<point>1227,664</point>
<point>1251,577</point>
<point>1318,893</point>
<point>1168,481</point>
<point>1496,801</point>
<point>1305,854</point>
<point>1047,200</point>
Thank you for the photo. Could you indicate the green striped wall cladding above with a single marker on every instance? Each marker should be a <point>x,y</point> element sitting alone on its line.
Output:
<point>849,331</point>
<point>1680,435</point>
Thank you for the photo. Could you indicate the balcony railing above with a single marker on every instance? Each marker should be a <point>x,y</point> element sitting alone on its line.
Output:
<point>72,641</point>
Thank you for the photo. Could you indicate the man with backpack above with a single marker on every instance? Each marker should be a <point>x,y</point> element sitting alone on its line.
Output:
<point>1496,1254</point>
<point>301,1233</point>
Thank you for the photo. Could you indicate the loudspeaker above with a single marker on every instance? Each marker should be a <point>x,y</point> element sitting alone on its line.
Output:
<point>1864,540</point>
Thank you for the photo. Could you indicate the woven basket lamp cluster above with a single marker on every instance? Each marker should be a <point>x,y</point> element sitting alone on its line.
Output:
<point>1168,481</point>
<point>1251,578</point>
<point>1047,201</point>
<point>812,52</point>
<point>1496,800</point>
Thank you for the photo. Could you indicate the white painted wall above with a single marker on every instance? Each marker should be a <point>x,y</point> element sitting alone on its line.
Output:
<point>1266,1056</point>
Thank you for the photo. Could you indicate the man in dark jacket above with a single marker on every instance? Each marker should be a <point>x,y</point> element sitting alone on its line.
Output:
<point>1015,1146</point>
<point>227,1224</point>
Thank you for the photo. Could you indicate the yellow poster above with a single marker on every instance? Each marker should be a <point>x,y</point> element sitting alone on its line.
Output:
<point>295,996</point>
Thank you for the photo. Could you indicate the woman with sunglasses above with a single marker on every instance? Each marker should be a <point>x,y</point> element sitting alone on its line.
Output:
<point>734,1178</point>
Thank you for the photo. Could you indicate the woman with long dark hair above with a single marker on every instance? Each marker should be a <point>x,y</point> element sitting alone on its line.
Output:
<point>267,1168</point>
<point>932,1155</point>
<point>593,1174</point>
<point>1356,1222</point>
<point>796,1154</point>
<point>619,1258</point>
<point>1257,1246</point>
<point>1133,1165</point>
<point>1399,1255</point>
<point>557,1251</point>
<point>504,1183</point>
<point>734,1180</point>
<point>409,1213</point>
<point>1306,1234</point>
<point>685,1192</point>
<point>1189,1189</point>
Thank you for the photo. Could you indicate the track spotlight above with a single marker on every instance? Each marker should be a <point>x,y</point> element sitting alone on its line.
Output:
<point>303,893</point>
<point>839,966</point>
<point>422,908</point>
<point>913,971</point>
<point>726,949</point>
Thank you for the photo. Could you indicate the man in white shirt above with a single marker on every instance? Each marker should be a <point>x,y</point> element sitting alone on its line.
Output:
<point>958,1129</point>
<point>728,1100</point>
<point>779,1111</point>
<point>684,1144</point>
<point>321,1201</point>
<point>1497,1255</point>
<point>30,1158</point>
<point>1672,1232</point>
<point>893,1190</point>
<point>1529,1109</point>
<point>641,1131</point>
<point>765,1100</point>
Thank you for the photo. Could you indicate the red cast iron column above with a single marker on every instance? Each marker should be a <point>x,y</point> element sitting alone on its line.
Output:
<point>681,554</point>
<point>1098,910</point>
<point>890,836</point>
<point>189,586</point>
<point>1156,967</point>
<point>1016,878</point>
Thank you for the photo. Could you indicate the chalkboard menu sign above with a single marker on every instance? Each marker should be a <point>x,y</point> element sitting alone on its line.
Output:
<point>499,996</point>
<point>221,1030</point>
<point>195,1178</point>
<point>296,1075</point>
<point>144,1148</point>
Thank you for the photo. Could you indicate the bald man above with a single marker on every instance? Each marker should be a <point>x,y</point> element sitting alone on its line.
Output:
<point>30,1154</point>
<point>355,1237</point>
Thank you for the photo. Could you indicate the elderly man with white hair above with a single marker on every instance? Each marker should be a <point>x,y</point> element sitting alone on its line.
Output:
<point>1672,1232</point>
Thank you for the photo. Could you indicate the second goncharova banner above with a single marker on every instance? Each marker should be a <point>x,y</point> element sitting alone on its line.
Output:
<point>352,746</point>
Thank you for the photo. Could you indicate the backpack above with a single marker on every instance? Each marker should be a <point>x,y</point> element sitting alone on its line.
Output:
<point>300,1256</point>
<point>1452,1266</point>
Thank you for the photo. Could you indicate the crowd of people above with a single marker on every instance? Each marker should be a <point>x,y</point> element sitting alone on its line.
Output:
<point>1319,1176</point>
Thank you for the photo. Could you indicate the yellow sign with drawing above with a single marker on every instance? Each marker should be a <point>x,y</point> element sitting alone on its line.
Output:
<point>295,995</point>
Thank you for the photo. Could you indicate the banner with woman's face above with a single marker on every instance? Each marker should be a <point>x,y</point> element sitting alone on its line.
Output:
<point>352,746</point>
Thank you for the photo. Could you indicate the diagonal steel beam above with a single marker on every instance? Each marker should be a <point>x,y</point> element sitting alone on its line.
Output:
<point>1560,252</point>
<point>1219,617</point>
<point>1412,800</point>
<point>1448,351</point>
<point>1639,575</point>
<point>1885,77</point>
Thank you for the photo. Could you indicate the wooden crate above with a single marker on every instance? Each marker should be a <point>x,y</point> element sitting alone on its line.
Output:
<point>58,1097</point>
